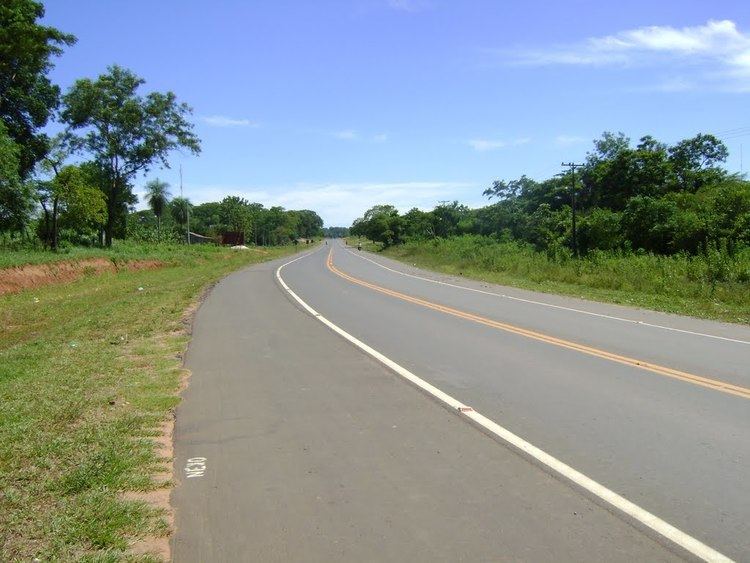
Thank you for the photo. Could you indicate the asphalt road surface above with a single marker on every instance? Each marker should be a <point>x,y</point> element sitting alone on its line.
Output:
<point>293,444</point>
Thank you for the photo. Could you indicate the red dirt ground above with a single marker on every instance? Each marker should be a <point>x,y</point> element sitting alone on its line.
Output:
<point>13,280</point>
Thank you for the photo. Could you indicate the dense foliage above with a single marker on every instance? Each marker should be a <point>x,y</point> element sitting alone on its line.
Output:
<point>336,232</point>
<point>27,101</point>
<point>106,120</point>
<point>260,225</point>
<point>650,197</point>
<point>125,133</point>
<point>27,97</point>
<point>47,192</point>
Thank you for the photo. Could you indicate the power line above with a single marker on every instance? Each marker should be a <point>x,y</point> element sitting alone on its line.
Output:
<point>733,137</point>
<point>728,131</point>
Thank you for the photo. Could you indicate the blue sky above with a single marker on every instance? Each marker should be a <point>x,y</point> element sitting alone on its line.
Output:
<point>340,105</point>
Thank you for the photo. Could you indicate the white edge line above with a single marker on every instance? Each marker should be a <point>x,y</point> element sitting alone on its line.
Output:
<point>666,530</point>
<point>543,304</point>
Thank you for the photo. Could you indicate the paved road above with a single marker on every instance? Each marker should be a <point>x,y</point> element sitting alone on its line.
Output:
<point>316,452</point>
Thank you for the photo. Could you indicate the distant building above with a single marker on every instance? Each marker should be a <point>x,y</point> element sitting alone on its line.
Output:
<point>233,238</point>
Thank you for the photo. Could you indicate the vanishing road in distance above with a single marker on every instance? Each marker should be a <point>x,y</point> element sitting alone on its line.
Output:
<point>347,407</point>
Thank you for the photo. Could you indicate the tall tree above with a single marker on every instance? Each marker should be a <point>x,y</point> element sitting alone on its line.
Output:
<point>157,197</point>
<point>310,223</point>
<point>126,133</point>
<point>180,208</point>
<point>50,192</point>
<point>696,161</point>
<point>380,223</point>
<point>69,198</point>
<point>15,198</point>
<point>27,97</point>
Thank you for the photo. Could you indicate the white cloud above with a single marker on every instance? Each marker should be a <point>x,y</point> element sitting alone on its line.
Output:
<point>408,5</point>
<point>346,135</point>
<point>224,121</point>
<point>568,140</point>
<point>484,145</point>
<point>340,203</point>
<point>717,45</point>
<point>352,135</point>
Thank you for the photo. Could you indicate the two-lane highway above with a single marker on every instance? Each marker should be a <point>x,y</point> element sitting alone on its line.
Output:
<point>652,407</point>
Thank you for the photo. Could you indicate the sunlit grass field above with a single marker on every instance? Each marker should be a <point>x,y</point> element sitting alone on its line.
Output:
<point>89,370</point>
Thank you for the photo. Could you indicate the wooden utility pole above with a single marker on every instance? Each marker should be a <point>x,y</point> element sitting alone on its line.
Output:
<point>573,166</point>
<point>187,208</point>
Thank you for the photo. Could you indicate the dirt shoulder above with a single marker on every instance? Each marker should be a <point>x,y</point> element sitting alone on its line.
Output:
<point>20,278</point>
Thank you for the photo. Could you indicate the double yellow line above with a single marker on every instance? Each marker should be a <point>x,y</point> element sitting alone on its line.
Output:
<point>709,383</point>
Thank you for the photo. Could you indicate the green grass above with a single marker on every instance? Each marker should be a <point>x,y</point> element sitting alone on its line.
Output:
<point>715,287</point>
<point>120,251</point>
<point>88,372</point>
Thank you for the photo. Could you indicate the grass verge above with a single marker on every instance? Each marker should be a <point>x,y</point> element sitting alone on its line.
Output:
<point>89,372</point>
<point>713,287</point>
<point>121,251</point>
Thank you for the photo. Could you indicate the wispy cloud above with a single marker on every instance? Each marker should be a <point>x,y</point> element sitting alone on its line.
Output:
<point>346,135</point>
<point>341,203</point>
<point>484,145</point>
<point>353,135</point>
<point>718,45</point>
<point>569,140</point>
<point>224,121</point>
<point>408,5</point>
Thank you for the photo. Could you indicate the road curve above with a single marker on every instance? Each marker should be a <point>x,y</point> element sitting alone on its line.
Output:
<point>303,448</point>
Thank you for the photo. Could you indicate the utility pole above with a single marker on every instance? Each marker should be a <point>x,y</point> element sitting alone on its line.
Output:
<point>187,207</point>
<point>573,166</point>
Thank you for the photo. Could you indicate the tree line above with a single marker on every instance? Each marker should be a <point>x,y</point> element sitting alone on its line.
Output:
<point>166,220</point>
<point>79,183</point>
<point>336,232</point>
<point>650,197</point>
<point>78,186</point>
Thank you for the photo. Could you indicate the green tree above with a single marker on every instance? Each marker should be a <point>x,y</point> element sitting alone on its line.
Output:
<point>278,226</point>
<point>27,97</point>
<point>205,218</point>
<point>419,224</point>
<point>600,230</point>
<point>157,197</point>
<point>180,208</point>
<point>510,189</point>
<point>696,161</point>
<point>608,146</point>
<point>649,223</point>
<point>310,223</point>
<point>69,200</point>
<point>124,132</point>
<point>235,215</point>
<point>380,223</point>
<point>16,202</point>
<point>335,232</point>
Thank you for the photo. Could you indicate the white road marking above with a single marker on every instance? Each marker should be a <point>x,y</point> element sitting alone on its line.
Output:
<point>543,304</point>
<point>195,467</point>
<point>666,530</point>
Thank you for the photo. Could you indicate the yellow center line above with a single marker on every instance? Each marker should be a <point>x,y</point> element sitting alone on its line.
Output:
<point>709,383</point>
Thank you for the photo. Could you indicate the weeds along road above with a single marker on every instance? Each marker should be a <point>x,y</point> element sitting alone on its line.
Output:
<point>354,408</point>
